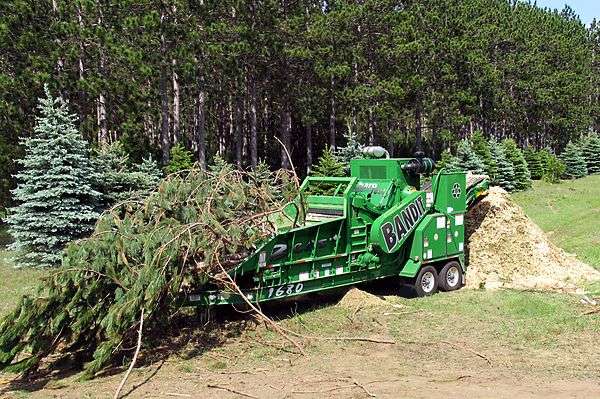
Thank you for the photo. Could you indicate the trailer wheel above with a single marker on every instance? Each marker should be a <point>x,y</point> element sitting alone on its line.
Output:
<point>451,276</point>
<point>426,282</point>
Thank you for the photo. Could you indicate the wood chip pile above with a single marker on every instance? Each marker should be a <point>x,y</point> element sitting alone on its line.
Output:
<point>507,249</point>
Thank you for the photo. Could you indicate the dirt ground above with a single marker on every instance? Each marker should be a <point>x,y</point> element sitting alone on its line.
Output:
<point>361,372</point>
<point>474,353</point>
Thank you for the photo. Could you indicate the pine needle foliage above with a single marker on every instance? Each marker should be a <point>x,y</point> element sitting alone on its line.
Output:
<point>591,153</point>
<point>505,173</point>
<point>575,165</point>
<point>534,163</point>
<point>57,201</point>
<point>514,154</point>
<point>352,150</point>
<point>180,159</point>
<point>119,180</point>
<point>328,165</point>
<point>481,147</point>
<point>554,168</point>
<point>467,159</point>
<point>142,255</point>
<point>447,161</point>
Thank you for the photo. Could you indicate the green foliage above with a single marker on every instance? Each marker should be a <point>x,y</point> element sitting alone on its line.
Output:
<point>447,160</point>
<point>515,156</point>
<point>575,165</point>
<point>554,168</point>
<point>141,257</point>
<point>534,163</point>
<point>119,180</point>
<point>352,150</point>
<point>180,159</point>
<point>467,159</point>
<point>591,153</point>
<point>329,165</point>
<point>377,69</point>
<point>57,202</point>
<point>481,147</point>
<point>505,172</point>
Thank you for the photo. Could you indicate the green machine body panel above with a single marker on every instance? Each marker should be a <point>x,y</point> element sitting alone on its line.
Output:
<point>375,224</point>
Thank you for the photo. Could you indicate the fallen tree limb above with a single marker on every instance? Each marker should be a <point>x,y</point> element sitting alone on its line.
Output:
<point>135,356</point>
<point>247,395</point>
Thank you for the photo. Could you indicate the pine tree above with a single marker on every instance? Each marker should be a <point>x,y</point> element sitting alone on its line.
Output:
<point>57,201</point>
<point>119,180</point>
<point>447,161</point>
<point>575,166</point>
<point>554,168</point>
<point>505,173</point>
<point>328,165</point>
<point>467,159</point>
<point>482,149</point>
<point>352,150</point>
<point>180,159</point>
<point>515,156</point>
<point>591,153</point>
<point>534,163</point>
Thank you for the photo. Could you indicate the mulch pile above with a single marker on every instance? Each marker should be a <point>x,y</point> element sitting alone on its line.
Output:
<point>507,249</point>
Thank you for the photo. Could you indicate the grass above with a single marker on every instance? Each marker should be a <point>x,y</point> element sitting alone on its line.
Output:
<point>569,213</point>
<point>14,282</point>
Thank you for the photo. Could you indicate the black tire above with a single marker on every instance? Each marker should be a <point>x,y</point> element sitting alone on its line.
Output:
<point>451,276</point>
<point>426,282</point>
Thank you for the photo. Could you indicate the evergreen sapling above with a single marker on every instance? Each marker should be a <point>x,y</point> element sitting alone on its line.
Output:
<point>467,159</point>
<point>522,179</point>
<point>57,201</point>
<point>534,163</point>
<point>505,173</point>
<point>575,166</point>
<point>482,150</point>
<point>591,153</point>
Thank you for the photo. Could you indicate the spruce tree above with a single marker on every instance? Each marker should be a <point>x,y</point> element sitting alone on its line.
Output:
<point>57,201</point>
<point>482,149</point>
<point>328,165</point>
<point>591,153</point>
<point>119,180</point>
<point>467,159</point>
<point>534,163</point>
<point>180,159</point>
<point>505,173</point>
<point>352,150</point>
<point>447,161</point>
<point>575,166</point>
<point>515,156</point>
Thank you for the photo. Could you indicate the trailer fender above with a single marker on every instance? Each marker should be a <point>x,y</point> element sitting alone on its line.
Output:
<point>411,268</point>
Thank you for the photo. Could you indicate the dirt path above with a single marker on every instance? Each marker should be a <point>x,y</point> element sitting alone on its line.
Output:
<point>465,344</point>
<point>365,370</point>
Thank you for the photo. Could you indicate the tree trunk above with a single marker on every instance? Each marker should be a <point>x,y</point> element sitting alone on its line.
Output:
<point>238,132</point>
<point>308,142</point>
<point>332,118</point>
<point>286,128</point>
<point>253,125</point>
<point>199,129</point>
<point>176,103</point>
<point>165,142</point>
<point>418,129</point>
<point>103,138</point>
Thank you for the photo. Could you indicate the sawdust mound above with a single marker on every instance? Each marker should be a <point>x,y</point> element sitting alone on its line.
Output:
<point>506,249</point>
<point>355,298</point>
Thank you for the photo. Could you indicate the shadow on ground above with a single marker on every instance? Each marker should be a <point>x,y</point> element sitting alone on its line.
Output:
<point>192,334</point>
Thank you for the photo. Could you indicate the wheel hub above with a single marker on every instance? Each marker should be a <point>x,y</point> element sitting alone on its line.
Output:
<point>427,282</point>
<point>452,276</point>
